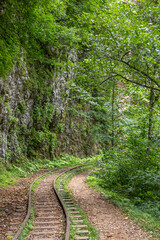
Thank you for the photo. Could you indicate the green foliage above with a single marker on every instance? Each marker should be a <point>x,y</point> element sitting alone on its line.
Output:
<point>28,227</point>
<point>42,139</point>
<point>88,117</point>
<point>47,30</point>
<point>67,160</point>
<point>24,166</point>
<point>136,174</point>
<point>22,107</point>
<point>108,90</point>
<point>40,52</point>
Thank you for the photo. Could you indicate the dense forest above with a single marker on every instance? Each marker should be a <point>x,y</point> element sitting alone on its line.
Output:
<point>82,78</point>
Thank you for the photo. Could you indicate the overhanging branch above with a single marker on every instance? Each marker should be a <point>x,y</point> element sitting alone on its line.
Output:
<point>136,69</point>
<point>132,81</point>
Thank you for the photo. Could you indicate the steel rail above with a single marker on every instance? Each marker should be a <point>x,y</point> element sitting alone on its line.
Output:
<point>67,231</point>
<point>29,207</point>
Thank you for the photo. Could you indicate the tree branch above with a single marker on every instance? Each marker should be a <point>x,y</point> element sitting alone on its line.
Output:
<point>129,80</point>
<point>136,69</point>
<point>108,79</point>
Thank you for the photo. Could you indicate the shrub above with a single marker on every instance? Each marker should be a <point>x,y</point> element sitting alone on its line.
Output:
<point>137,178</point>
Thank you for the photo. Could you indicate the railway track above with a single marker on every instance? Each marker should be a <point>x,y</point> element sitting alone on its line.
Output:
<point>80,230</point>
<point>55,211</point>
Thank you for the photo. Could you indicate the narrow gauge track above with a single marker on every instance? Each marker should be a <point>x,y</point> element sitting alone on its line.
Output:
<point>80,230</point>
<point>49,221</point>
<point>54,210</point>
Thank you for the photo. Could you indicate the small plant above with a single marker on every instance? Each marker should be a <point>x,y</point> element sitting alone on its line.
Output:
<point>9,237</point>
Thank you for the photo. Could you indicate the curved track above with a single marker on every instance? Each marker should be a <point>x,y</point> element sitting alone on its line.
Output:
<point>54,211</point>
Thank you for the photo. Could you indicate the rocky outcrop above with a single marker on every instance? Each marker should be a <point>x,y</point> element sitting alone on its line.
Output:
<point>15,111</point>
<point>37,113</point>
<point>19,100</point>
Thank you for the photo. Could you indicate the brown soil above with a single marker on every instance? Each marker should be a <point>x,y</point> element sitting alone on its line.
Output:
<point>107,218</point>
<point>13,202</point>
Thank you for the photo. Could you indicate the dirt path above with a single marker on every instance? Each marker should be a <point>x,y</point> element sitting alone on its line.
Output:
<point>111,223</point>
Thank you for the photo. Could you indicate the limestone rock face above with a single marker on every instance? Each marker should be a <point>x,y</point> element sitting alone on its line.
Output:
<point>14,97</point>
<point>39,114</point>
<point>19,101</point>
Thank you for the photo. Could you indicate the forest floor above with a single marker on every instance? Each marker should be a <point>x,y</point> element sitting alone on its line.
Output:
<point>111,222</point>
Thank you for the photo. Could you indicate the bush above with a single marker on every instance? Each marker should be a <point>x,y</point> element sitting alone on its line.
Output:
<point>137,178</point>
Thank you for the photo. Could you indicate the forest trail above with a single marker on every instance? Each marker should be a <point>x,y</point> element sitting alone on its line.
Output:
<point>109,220</point>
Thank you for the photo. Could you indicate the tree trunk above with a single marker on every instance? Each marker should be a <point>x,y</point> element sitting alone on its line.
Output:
<point>113,119</point>
<point>151,107</point>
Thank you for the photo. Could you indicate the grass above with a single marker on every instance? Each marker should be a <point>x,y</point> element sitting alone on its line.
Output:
<point>92,230</point>
<point>22,169</point>
<point>29,226</point>
<point>140,214</point>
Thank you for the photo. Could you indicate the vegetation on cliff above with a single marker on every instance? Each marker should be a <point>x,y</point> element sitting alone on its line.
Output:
<point>43,108</point>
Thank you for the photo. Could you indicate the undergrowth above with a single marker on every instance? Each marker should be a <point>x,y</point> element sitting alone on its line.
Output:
<point>24,167</point>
